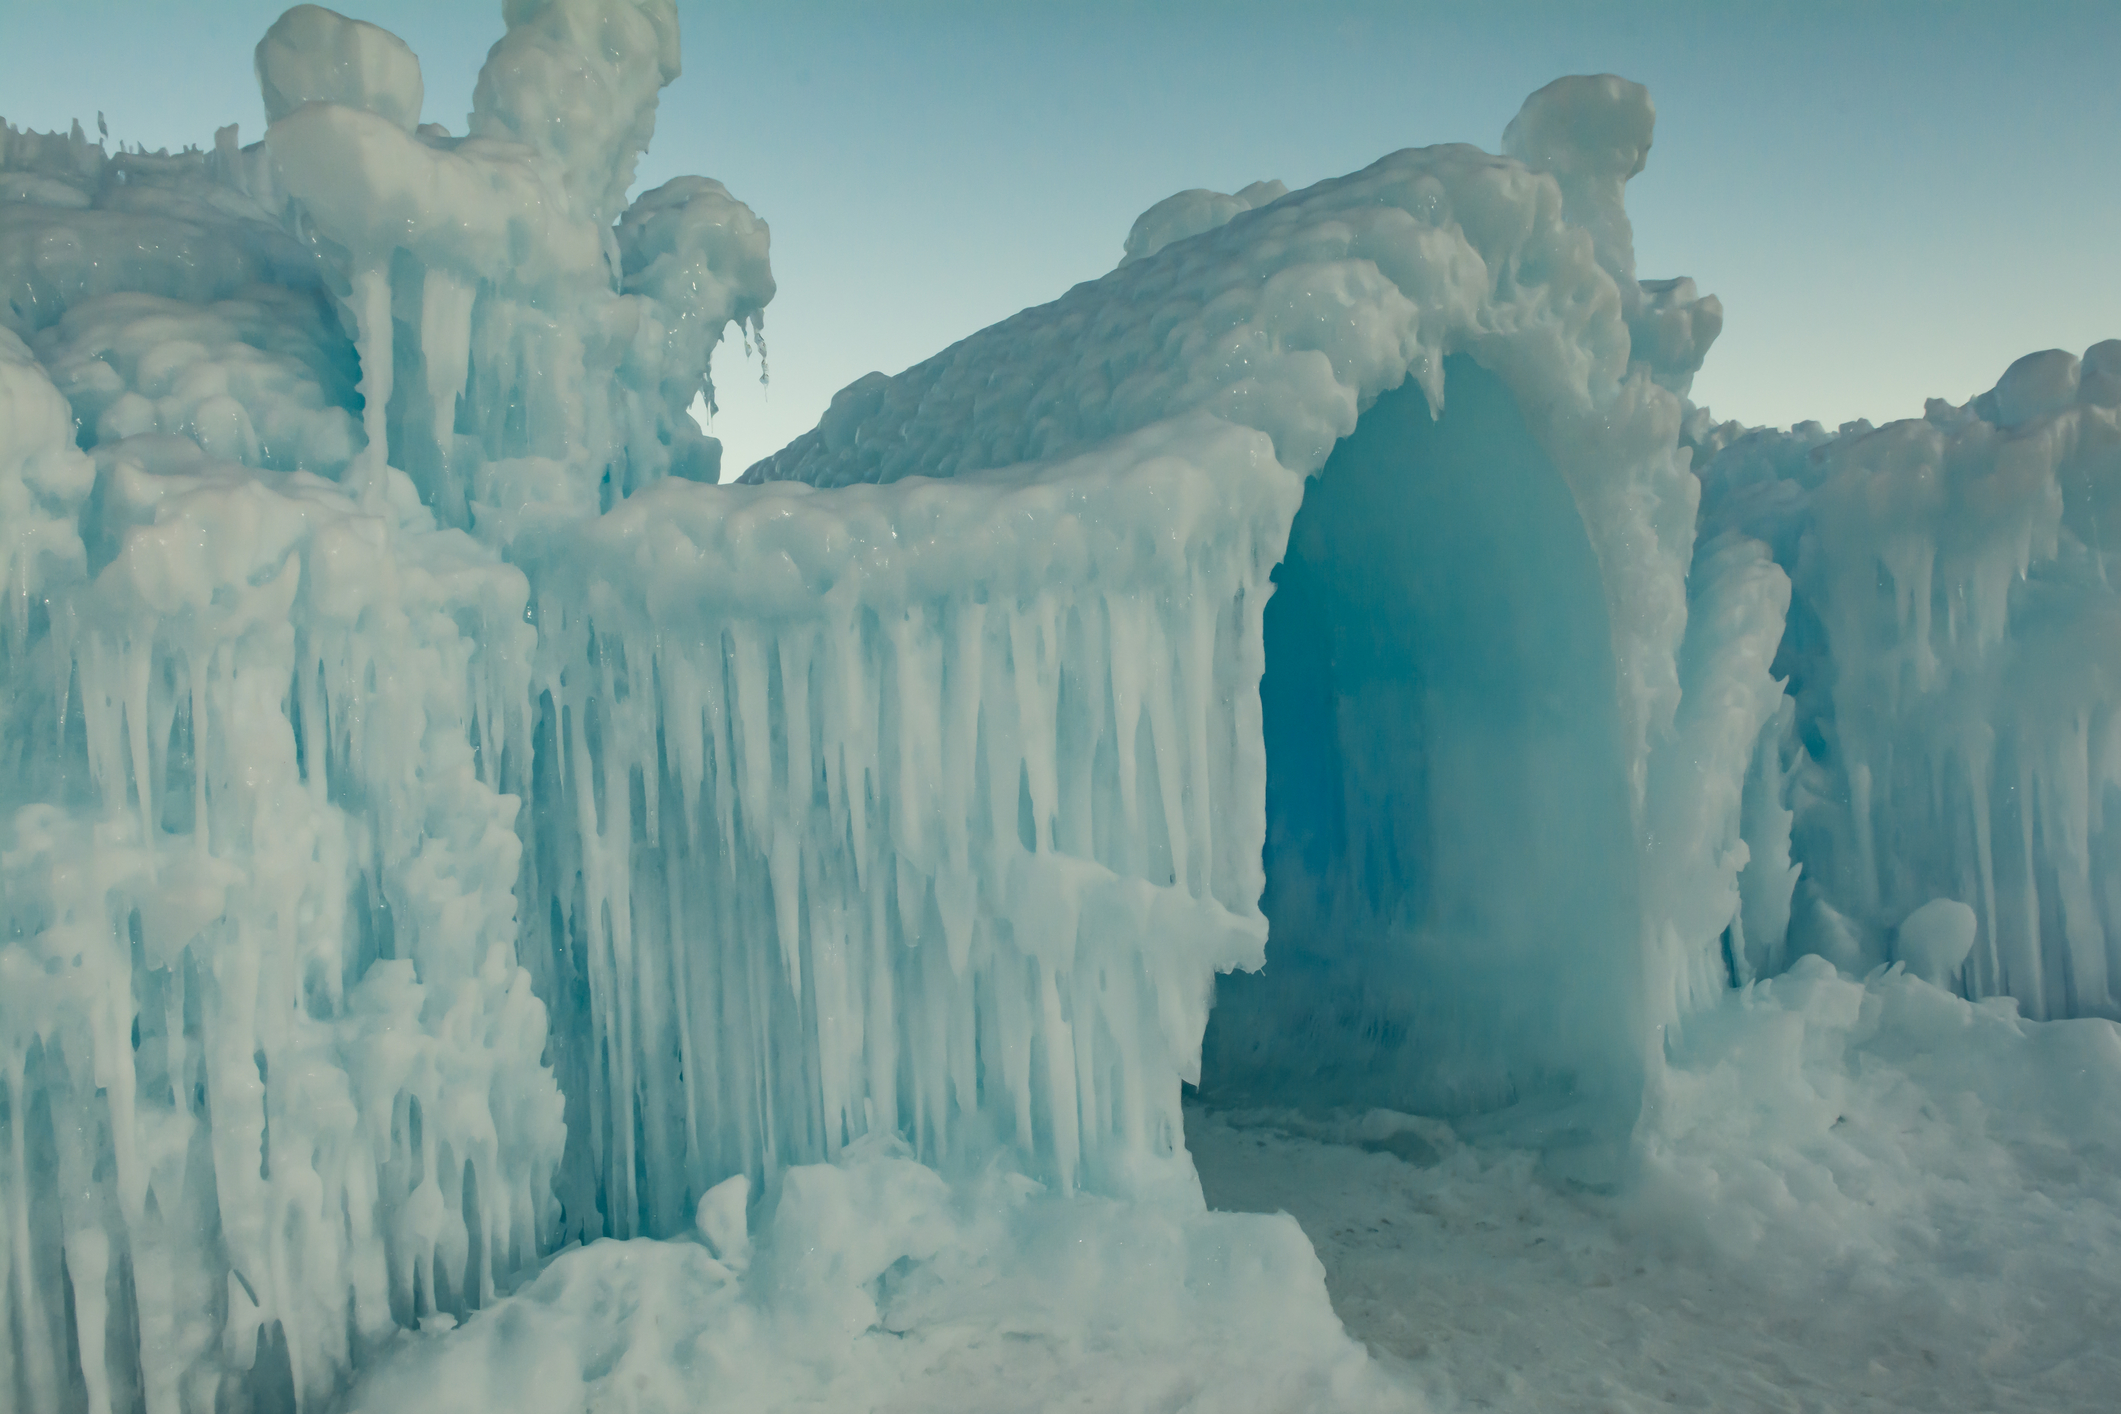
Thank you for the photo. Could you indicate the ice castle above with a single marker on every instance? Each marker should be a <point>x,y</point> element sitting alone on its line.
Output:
<point>1327,660</point>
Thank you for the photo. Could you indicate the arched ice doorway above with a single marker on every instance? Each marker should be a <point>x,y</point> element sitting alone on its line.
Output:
<point>1451,854</point>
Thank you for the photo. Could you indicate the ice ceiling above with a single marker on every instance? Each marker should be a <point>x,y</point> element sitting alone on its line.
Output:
<point>441,825</point>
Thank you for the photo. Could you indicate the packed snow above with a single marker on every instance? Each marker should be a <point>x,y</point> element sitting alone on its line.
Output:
<point>1295,829</point>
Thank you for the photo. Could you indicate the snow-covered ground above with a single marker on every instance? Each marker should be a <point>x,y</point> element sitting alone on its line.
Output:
<point>1841,1214</point>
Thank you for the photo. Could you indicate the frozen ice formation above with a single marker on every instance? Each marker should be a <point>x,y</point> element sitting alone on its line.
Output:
<point>1467,671</point>
<point>272,1071</point>
<point>877,1279</point>
<point>948,768</point>
<point>1951,658</point>
<point>442,825</point>
<point>315,55</point>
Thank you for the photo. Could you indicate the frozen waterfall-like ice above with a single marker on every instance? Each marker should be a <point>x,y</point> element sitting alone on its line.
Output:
<point>1951,657</point>
<point>442,826</point>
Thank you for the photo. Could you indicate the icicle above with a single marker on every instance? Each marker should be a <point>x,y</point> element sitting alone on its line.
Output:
<point>445,349</point>
<point>370,301</point>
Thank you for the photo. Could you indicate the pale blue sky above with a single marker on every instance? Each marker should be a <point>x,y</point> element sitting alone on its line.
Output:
<point>1892,199</point>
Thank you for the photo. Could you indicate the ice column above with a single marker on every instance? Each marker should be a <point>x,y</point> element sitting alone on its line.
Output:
<point>271,1080</point>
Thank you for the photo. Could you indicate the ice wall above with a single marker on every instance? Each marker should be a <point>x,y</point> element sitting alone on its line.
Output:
<point>929,808</point>
<point>272,1080</point>
<point>1951,729</point>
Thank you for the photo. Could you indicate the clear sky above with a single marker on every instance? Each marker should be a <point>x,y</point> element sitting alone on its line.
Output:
<point>1893,199</point>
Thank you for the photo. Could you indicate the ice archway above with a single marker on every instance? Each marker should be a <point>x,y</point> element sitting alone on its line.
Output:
<point>1453,897</point>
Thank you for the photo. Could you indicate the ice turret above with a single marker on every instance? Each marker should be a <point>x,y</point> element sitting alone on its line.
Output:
<point>315,55</point>
<point>503,333</point>
<point>1191,212</point>
<point>1592,132</point>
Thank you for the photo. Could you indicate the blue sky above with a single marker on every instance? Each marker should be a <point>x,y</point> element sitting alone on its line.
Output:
<point>1892,199</point>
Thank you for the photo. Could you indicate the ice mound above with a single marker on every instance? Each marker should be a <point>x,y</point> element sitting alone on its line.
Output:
<point>1843,1119</point>
<point>874,1280</point>
<point>1934,940</point>
<point>1858,1195</point>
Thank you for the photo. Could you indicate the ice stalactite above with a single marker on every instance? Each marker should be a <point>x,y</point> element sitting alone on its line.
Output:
<point>880,823</point>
